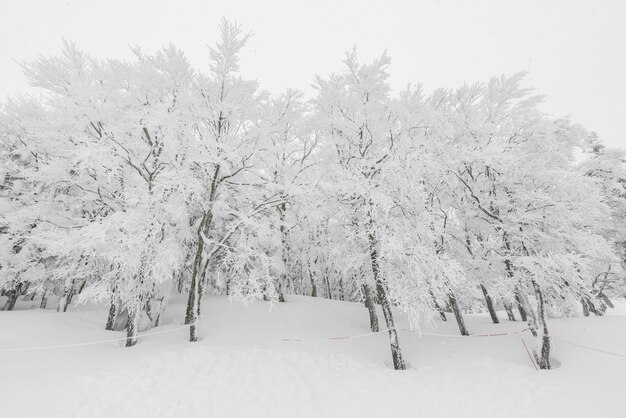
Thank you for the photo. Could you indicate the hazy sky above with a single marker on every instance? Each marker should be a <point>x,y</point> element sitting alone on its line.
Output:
<point>575,50</point>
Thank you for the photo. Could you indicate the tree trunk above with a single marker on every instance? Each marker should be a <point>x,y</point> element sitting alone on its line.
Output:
<point>544,358</point>
<point>202,280</point>
<point>313,287</point>
<point>438,307</point>
<point>509,311</point>
<point>282,280</point>
<point>281,294</point>
<point>193,301</point>
<point>328,291</point>
<point>192,308</point>
<point>396,353</point>
<point>490,307</point>
<point>180,282</point>
<point>605,299</point>
<point>68,291</point>
<point>131,330</point>
<point>44,300</point>
<point>190,316</point>
<point>82,286</point>
<point>457,314</point>
<point>371,308</point>
<point>12,300</point>
<point>341,296</point>
<point>111,318</point>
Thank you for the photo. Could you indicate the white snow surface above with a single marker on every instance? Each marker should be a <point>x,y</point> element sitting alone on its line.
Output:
<point>242,368</point>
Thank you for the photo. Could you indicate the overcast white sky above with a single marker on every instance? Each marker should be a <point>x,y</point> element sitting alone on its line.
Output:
<point>575,50</point>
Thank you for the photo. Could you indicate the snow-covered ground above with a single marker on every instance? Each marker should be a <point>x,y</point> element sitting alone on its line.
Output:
<point>243,368</point>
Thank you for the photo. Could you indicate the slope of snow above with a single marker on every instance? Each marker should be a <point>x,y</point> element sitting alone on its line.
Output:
<point>243,368</point>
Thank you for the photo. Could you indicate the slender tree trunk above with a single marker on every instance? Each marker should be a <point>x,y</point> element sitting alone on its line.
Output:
<point>544,358</point>
<point>131,329</point>
<point>328,290</point>
<point>281,294</point>
<point>68,292</point>
<point>490,307</point>
<point>371,308</point>
<point>521,305</point>
<point>190,316</point>
<point>82,286</point>
<point>591,307</point>
<point>282,280</point>
<point>457,314</point>
<point>396,352</point>
<point>605,299</point>
<point>341,296</point>
<point>180,282</point>
<point>509,311</point>
<point>12,298</point>
<point>442,313</point>
<point>313,287</point>
<point>112,312</point>
<point>202,280</point>
<point>44,300</point>
<point>192,300</point>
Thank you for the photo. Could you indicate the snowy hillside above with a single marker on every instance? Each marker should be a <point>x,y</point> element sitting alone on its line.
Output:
<point>179,241</point>
<point>241,367</point>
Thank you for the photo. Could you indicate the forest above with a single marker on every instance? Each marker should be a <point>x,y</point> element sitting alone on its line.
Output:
<point>127,182</point>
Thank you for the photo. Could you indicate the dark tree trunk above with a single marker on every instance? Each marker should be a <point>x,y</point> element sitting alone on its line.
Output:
<point>44,300</point>
<point>593,309</point>
<point>313,287</point>
<point>371,308</point>
<point>282,280</point>
<point>442,313</point>
<point>522,306</point>
<point>131,331</point>
<point>281,294</point>
<point>457,314</point>
<point>13,295</point>
<point>66,299</point>
<point>193,301</point>
<point>192,308</point>
<point>341,296</point>
<point>190,316</point>
<point>181,282</point>
<point>490,307</point>
<point>328,290</point>
<point>82,286</point>
<point>202,281</point>
<point>605,299</point>
<point>396,352</point>
<point>509,311</point>
<point>111,318</point>
<point>544,358</point>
